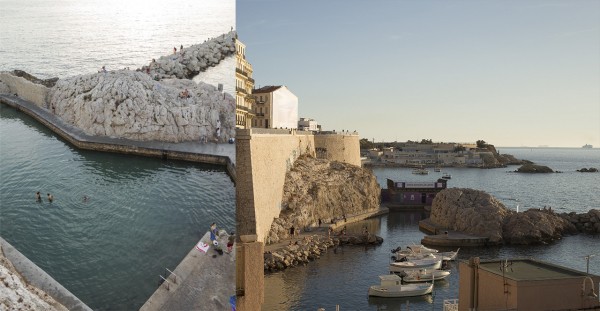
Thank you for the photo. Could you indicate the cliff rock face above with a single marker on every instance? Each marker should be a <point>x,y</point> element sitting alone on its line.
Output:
<point>478,213</point>
<point>319,189</point>
<point>533,168</point>
<point>191,60</point>
<point>470,211</point>
<point>129,104</point>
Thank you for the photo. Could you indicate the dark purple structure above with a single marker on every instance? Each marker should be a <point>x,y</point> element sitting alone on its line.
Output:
<point>411,194</point>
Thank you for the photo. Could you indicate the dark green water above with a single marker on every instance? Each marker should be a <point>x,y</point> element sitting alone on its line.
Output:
<point>142,214</point>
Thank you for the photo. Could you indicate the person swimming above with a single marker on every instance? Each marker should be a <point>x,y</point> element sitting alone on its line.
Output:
<point>85,198</point>
<point>50,198</point>
<point>38,197</point>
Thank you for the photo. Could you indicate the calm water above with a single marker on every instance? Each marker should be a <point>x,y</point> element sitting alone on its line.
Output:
<point>344,277</point>
<point>63,38</point>
<point>143,214</point>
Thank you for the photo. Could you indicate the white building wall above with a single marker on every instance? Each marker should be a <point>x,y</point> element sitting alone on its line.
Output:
<point>285,109</point>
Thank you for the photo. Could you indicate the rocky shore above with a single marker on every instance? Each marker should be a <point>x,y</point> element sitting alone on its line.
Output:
<point>584,222</point>
<point>16,294</point>
<point>312,247</point>
<point>480,214</point>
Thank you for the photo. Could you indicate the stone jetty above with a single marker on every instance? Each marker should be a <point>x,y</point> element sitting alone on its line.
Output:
<point>311,247</point>
<point>478,213</point>
<point>186,63</point>
<point>584,222</point>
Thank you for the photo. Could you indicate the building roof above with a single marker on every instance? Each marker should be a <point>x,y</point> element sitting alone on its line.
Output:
<point>267,89</point>
<point>529,270</point>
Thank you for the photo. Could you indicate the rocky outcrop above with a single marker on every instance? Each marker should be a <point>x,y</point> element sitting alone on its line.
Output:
<point>25,86</point>
<point>187,63</point>
<point>47,82</point>
<point>588,170</point>
<point>478,213</point>
<point>533,168</point>
<point>311,248</point>
<point>16,294</point>
<point>320,189</point>
<point>585,222</point>
<point>129,104</point>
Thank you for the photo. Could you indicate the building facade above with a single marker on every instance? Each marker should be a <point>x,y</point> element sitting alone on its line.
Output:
<point>306,124</point>
<point>243,86</point>
<point>275,107</point>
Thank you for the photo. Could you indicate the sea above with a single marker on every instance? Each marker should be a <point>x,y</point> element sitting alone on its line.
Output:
<point>141,215</point>
<point>342,278</point>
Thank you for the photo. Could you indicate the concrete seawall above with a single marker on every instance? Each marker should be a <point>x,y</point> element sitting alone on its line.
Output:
<point>37,277</point>
<point>210,153</point>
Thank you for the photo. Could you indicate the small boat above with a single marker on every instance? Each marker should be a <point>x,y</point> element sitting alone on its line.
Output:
<point>448,256</point>
<point>391,286</point>
<point>420,171</point>
<point>587,146</point>
<point>437,169</point>
<point>447,176</point>
<point>416,264</point>
<point>425,276</point>
<point>415,249</point>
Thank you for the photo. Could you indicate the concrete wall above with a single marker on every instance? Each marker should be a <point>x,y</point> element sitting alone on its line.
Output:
<point>35,93</point>
<point>339,147</point>
<point>263,159</point>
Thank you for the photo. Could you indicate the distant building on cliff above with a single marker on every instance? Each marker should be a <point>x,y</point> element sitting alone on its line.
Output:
<point>243,86</point>
<point>275,107</point>
<point>306,124</point>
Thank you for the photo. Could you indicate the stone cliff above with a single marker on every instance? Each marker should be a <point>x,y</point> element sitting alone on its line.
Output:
<point>478,213</point>
<point>187,63</point>
<point>319,189</point>
<point>129,104</point>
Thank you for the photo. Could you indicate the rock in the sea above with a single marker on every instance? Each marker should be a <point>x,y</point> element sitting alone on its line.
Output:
<point>588,170</point>
<point>129,104</point>
<point>533,168</point>
<point>478,213</point>
<point>320,189</point>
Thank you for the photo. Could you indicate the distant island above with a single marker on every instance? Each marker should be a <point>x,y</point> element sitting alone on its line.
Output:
<point>426,153</point>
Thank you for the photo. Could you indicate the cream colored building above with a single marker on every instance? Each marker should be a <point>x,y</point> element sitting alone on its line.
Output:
<point>243,86</point>
<point>275,107</point>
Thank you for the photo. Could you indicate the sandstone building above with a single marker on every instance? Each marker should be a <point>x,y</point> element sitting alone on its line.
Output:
<point>244,85</point>
<point>524,284</point>
<point>275,107</point>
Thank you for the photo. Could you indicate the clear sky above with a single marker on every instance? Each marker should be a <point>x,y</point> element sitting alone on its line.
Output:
<point>513,73</point>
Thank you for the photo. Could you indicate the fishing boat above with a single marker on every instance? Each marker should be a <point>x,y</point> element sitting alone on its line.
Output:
<point>424,275</point>
<point>416,264</point>
<point>391,286</point>
<point>422,252</point>
<point>447,176</point>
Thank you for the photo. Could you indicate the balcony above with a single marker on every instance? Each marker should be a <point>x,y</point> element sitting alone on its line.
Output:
<point>241,90</point>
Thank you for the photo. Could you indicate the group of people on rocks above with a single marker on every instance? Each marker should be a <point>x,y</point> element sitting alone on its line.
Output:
<point>214,234</point>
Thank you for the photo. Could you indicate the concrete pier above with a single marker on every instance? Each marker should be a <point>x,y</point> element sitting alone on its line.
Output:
<point>208,153</point>
<point>202,281</point>
<point>37,277</point>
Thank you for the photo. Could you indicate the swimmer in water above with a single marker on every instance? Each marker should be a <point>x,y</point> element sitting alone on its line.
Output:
<point>85,198</point>
<point>38,197</point>
<point>50,198</point>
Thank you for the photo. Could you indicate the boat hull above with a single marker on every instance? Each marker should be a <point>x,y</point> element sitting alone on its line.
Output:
<point>418,277</point>
<point>400,290</point>
<point>416,265</point>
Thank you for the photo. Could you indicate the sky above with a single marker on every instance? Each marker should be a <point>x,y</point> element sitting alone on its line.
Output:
<point>513,73</point>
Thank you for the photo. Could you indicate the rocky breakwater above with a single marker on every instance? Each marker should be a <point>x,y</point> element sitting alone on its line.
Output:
<point>129,104</point>
<point>584,222</point>
<point>478,213</point>
<point>187,63</point>
<point>320,189</point>
<point>312,247</point>
<point>16,294</point>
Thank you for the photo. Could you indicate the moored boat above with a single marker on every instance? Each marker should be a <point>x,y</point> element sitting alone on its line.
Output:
<point>423,275</point>
<point>447,176</point>
<point>415,265</point>
<point>391,286</point>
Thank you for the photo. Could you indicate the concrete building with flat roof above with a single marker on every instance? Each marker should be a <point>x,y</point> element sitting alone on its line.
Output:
<point>524,284</point>
<point>275,107</point>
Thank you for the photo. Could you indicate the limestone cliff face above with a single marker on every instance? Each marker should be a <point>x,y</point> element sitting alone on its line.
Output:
<point>191,60</point>
<point>478,213</point>
<point>320,189</point>
<point>129,104</point>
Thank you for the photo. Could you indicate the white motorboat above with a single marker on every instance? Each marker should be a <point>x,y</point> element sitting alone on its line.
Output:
<point>448,256</point>
<point>412,265</point>
<point>447,176</point>
<point>424,275</point>
<point>391,286</point>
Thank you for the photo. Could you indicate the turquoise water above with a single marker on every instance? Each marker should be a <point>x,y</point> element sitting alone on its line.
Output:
<point>343,278</point>
<point>142,215</point>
